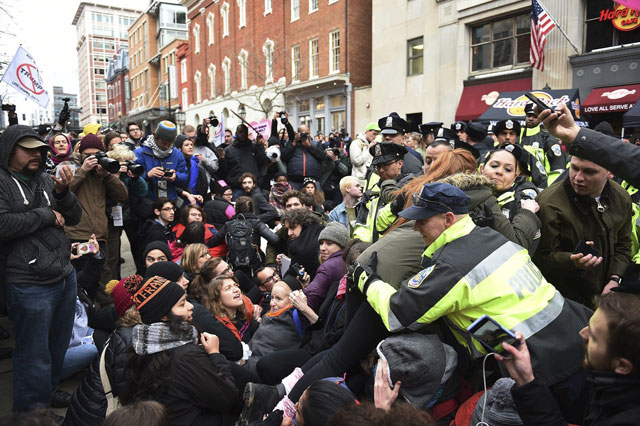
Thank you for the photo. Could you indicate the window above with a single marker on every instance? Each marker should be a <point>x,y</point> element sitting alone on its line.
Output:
<point>600,32</point>
<point>212,81</point>
<point>314,56</point>
<point>242,60</point>
<point>415,56</point>
<point>226,69</point>
<point>224,11</point>
<point>295,63</point>
<point>242,12</point>
<point>196,38</point>
<point>334,52</point>
<point>210,28</point>
<point>185,98</point>
<point>267,7</point>
<point>267,49</point>
<point>313,5</point>
<point>501,44</point>
<point>196,79</point>
<point>183,70</point>
<point>295,10</point>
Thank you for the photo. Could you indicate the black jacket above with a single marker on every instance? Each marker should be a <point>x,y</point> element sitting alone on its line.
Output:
<point>215,211</point>
<point>330,325</point>
<point>301,161</point>
<point>614,402</point>
<point>242,157</point>
<point>304,250</point>
<point>265,211</point>
<point>205,321</point>
<point>153,230</point>
<point>89,404</point>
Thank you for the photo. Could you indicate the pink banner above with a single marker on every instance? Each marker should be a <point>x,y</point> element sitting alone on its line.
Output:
<point>263,126</point>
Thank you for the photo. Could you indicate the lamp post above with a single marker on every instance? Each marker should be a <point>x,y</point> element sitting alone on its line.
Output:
<point>181,117</point>
<point>242,111</point>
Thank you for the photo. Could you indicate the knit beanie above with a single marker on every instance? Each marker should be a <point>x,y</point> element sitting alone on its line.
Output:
<point>179,141</point>
<point>91,128</point>
<point>157,245</point>
<point>122,291</point>
<point>166,131</point>
<point>155,298</point>
<point>167,270</point>
<point>500,410</point>
<point>91,141</point>
<point>336,232</point>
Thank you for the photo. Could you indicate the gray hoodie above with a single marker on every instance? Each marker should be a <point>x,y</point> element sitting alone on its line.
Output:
<point>32,249</point>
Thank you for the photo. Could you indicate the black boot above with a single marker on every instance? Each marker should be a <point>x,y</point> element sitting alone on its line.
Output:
<point>259,400</point>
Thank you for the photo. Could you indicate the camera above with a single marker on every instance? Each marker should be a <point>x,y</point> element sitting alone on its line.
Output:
<point>135,169</point>
<point>109,164</point>
<point>213,120</point>
<point>9,108</point>
<point>273,153</point>
<point>283,117</point>
<point>336,151</point>
<point>167,172</point>
<point>303,136</point>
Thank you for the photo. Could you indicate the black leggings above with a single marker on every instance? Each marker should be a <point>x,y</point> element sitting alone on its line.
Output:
<point>274,367</point>
<point>362,335</point>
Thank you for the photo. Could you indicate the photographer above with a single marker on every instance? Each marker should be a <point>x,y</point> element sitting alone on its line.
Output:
<point>243,156</point>
<point>94,179</point>
<point>284,135</point>
<point>303,157</point>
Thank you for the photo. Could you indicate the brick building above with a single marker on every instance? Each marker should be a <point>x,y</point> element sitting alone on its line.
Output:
<point>118,90</point>
<point>261,56</point>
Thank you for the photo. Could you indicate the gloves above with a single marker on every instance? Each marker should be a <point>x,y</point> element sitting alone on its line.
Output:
<point>363,275</point>
<point>397,205</point>
<point>64,116</point>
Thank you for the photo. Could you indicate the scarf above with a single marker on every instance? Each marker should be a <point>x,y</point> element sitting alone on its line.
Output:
<point>55,157</point>
<point>151,144</point>
<point>275,196</point>
<point>149,339</point>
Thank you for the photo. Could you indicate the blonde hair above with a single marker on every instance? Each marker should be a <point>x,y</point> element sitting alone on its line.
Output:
<point>121,152</point>
<point>347,180</point>
<point>130,317</point>
<point>284,286</point>
<point>211,299</point>
<point>189,259</point>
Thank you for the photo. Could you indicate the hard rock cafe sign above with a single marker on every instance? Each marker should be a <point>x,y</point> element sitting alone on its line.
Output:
<point>622,17</point>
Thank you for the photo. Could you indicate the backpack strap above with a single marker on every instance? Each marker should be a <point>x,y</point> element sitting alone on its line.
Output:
<point>113,402</point>
<point>298,322</point>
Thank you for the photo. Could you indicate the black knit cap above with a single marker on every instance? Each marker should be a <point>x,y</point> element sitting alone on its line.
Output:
<point>155,298</point>
<point>157,245</point>
<point>167,270</point>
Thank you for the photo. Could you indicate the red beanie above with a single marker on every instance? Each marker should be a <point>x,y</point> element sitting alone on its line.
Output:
<point>121,298</point>
<point>91,141</point>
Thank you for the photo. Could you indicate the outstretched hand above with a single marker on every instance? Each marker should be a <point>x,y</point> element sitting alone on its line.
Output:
<point>519,363</point>
<point>559,123</point>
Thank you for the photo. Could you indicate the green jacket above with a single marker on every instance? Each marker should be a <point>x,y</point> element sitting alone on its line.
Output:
<point>568,218</point>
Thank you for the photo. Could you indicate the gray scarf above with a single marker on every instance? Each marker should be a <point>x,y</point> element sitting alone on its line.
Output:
<point>149,339</point>
<point>151,143</point>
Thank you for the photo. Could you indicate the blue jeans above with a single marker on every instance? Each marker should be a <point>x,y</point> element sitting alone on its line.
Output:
<point>77,358</point>
<point>42,317</point>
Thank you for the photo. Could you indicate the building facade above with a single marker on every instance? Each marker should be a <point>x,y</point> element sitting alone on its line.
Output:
<point>101,32</point>
<point>118,89</point>
<point>58,103</point>
<point>450,59</point>
<point>255,58</point>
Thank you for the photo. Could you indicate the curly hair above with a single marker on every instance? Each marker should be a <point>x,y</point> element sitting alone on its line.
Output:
<point>121,153</point>
<point>302,217</point>
<point>248,175</point>
<point>197,288</point>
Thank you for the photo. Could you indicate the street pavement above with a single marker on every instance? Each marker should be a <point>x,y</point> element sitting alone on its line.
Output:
<point>70,385</point>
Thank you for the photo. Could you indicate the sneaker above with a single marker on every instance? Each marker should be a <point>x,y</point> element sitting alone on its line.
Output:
<point>60,398</point>
<point>259,400</point>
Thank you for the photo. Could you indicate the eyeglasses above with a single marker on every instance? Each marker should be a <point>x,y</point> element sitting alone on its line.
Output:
<point>227,195</point>
<point>167,209</point>
<point>273,277</point>
<point>418,201</point>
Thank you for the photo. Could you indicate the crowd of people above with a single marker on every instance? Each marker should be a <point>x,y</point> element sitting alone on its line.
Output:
<point>463,275</point>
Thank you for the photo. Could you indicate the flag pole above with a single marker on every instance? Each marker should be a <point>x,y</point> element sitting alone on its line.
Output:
<point>559,27</point>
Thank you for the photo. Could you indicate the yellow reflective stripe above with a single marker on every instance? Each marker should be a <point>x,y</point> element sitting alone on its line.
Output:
<point>385,218</point>
<point>491,263</point>
<point>456,299</point>
<point>379,297</point>
<point>455,231</point>
<point>505,198</point>
<point>537,322</point>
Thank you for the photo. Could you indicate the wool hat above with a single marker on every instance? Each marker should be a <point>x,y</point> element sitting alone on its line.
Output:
<point>91,128</point>
<point>156,297</point>
<point>605,128</point>
<point>157,245</point>
<point>91,141</point>
<point>121,298</point>
<point>372,126</point>
<point>335,232</point>
<point>418,361</point>
<point>167,270</point>
<point>436,198</point>
<point>180,140</point>
<point>500,410</point>
<point>166,131</point>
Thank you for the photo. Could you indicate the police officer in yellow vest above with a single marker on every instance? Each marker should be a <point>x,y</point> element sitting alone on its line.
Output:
<point>387,162</point>
<point>542,145</point>
<point>470,271</point>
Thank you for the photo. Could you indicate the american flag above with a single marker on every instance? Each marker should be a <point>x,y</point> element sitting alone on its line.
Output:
<point>541,25</point>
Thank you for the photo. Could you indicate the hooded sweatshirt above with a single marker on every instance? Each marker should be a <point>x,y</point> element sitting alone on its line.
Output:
<point>33,249</point>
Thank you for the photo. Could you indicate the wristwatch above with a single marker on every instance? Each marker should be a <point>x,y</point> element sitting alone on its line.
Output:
<point>616,279</point>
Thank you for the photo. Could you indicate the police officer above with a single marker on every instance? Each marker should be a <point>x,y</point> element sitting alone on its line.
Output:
<point>470,271</point>
<point>542,145</point>
<point>459,127</point>
<point>476,134</point>
<point>429,130</point>
<point>393,129</point>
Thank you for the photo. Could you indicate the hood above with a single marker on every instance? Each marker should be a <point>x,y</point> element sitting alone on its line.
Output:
<point>478,187</point>
<point>238,142</point>
<point>10,137</point>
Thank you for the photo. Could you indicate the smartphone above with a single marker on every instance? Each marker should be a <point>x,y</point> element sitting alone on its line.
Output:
<point>533,98</point>
<point>491,334</point>
<point>71,167</point>
<point>298,269</point>
<point>86,248</point>
<point>585,249</point>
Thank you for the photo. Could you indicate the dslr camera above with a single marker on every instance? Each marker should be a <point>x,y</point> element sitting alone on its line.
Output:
<point>304,136</point>
<point>135,169</point>
<point>213,120</point>
<point>109,164</point>
<point>167,172</point>
<point>283,117</point>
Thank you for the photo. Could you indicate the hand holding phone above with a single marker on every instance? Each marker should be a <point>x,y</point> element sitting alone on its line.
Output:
<point>585,248</point>
<point>584,256</point>
<point>490,334</point>
<point>533,98</point>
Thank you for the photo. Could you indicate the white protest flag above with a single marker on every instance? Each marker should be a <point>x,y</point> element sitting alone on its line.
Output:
<point>218,139</point>
<point>24,76</point>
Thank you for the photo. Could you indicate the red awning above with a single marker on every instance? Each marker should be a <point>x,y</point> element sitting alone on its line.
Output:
<point>476,99</point>
<point>611,99</point>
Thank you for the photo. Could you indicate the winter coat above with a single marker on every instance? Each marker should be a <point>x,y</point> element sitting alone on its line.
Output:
<point>136,188</point>
<point>265,211</point>
<point>304,250</point>
<point>152,230</point>
<point>360,157</point>
<point>219,211</point>
<point>331,323</point>
<point>301,161</point>
<point>242,329</point>
<point>175,161</point>
<point>242,157</point>
<point>33,250</point>
<point>89,403</point>
<point>276,332</point>
<point>332,270</point>
<point>92,192</point>
<point>567,219</point>
<point>484,209</point>
<point>613,402</point>
<point>205,321</point>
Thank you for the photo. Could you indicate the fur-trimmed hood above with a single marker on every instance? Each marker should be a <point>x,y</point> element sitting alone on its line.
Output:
<point>478,187</point>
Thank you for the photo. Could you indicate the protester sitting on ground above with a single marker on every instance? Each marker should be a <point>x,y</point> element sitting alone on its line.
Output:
<point>220,209</point>
<point>158,228</point>
<point>140,413</point>
<point>82,350</point>
<point>345,212</point>
<point>310,188</point>
<point>89,402</point>
<point>170,271</point>
<point>264,279</point>
<point>303,228</point>
<point>193,259</point>
<point>278,189</point>
<point>263,210</point>
<point>194,382</point>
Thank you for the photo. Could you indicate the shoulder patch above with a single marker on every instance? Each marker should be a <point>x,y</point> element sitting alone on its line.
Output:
<point>420,277</point>
<point>536,145</point>
<point>541,167</point>
<point>531,193</point>
<point>557,151</point>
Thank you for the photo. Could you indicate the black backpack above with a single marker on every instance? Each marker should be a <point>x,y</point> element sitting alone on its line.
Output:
<point>241,251</point>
